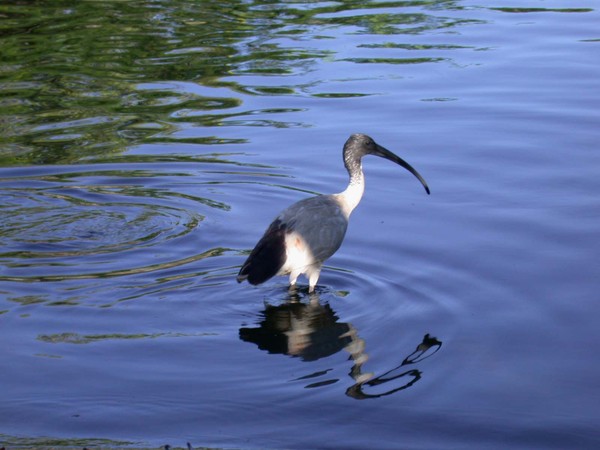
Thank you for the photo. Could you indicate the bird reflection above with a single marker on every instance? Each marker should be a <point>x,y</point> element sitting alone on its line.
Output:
<point>409,377</point>
<point>312,331</point>
<point>308,330</point>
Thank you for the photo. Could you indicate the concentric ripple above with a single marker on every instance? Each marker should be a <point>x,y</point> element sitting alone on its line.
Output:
<point>52,231</point>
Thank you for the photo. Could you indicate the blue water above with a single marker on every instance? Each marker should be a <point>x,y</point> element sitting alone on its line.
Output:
<point>132,189</point>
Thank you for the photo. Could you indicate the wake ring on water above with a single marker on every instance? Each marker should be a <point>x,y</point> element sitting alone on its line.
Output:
<point>89,232</point>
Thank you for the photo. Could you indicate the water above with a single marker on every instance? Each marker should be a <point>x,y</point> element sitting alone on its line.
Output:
<point>145,147</point>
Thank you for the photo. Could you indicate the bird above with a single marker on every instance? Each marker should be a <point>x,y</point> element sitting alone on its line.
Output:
<point>311,230</point>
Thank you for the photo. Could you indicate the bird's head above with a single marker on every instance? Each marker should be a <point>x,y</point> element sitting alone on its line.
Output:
<point>359,145</point>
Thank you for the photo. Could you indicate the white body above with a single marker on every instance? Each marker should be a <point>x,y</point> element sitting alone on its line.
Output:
<point>317,229</point>
<point>303,236</point>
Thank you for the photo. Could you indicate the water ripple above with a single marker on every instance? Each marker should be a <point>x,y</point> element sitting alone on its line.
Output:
<point>46,231</point>
<point>61,226</point>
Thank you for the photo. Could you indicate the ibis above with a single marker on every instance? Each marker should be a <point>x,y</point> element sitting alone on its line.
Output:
<point>308,232</point>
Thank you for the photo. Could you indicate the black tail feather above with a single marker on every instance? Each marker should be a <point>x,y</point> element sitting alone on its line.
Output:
<point>267,257</point>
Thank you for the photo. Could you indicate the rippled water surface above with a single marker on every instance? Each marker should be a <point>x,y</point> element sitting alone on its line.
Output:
<point>145,146</point>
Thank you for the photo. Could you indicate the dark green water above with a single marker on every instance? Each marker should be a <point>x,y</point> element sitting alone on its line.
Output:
<point>144,148</point>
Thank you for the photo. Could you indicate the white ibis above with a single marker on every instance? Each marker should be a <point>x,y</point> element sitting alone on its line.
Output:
<point>304,235</point>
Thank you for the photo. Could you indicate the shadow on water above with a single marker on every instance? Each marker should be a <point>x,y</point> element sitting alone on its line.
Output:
<point>312,330</point>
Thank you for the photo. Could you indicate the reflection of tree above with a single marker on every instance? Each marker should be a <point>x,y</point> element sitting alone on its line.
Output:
<point>311,331</point>
<point>107,77</point>
<point>83,79</point>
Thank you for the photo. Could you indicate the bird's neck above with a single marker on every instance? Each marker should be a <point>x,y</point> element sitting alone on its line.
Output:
<point>350,198</point>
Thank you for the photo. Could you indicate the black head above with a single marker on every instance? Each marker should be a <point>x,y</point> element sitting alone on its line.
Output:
<point>359,145</point>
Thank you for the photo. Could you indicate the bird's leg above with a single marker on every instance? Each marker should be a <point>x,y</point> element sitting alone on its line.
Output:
<point>293,278</point>
<point>313,277</point>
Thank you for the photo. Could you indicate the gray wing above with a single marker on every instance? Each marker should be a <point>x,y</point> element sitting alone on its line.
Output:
<point>320,221</point>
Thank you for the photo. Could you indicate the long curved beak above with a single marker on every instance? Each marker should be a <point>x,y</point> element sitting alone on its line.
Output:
<point>385,153</point>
